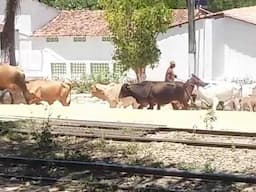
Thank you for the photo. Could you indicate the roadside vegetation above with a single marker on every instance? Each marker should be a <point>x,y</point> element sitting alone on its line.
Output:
<point>213,5</point>
<point>84,84</point>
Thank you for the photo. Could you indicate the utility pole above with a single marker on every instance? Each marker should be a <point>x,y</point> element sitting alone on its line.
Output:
<point>191,37</point>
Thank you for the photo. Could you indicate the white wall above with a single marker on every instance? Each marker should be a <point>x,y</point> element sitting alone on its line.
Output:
<point>174,46</point>
<point>31,15</point>
<point>240,55</point>
<point>225,46</point>
<point>225,50</point>
<point>91,49</point>
<point>234,49</point>
<point>218,48</point>
<point>37,62</point>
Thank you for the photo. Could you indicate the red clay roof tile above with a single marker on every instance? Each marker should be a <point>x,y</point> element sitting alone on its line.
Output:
<point>75,23</point>
<point>88,23</point>
<point>247,14</point>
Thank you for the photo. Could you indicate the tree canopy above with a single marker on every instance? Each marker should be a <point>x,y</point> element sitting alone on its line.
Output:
<point>219,5</point>
<point>73,4</point>
<point>135,25</point>
<point>213,5</point>
<point>94,4</point>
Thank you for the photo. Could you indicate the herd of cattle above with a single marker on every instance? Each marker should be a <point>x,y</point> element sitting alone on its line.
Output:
<point>193,93</point>
<point>13,82</point>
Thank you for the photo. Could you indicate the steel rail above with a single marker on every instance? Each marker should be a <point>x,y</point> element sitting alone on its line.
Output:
<point>35,178</point>
<point>130,169</point>
<point>147,139</point>
<point>98,184</point>
<point>88,123</point>
<point>121,125</point>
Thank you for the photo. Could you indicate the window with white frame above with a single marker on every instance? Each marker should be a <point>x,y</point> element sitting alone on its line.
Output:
<point>97,68</point>
<point>106,38</point>
<point>52,39</point>
<point>118,68</point>
<point>79,39</point>
<point>58,70</point>
<point>78,70</point>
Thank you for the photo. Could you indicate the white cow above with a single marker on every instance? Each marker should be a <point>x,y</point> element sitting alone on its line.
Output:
<point>212,94</point>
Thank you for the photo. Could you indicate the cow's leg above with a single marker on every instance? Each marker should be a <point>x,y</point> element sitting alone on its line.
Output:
<point>64,103</point>
<point>220,106</point>
<point>254,107</point>
<point>215,103</point>
<point>250,106</point>
<point>65,94</point>
<point>65,99</point>
<point>151,106</point>
<point>2,98</point>
<point>176,105</point>
<point>140,106</point>
<point>20,82</point>
<point>3,95</point>
<point>135,105</point>
<point>158,106</point>
<point>12,99</point>
<point>11,96</point>
<point>112,104</point>
<point>120,104</point>
<point>185,105</point>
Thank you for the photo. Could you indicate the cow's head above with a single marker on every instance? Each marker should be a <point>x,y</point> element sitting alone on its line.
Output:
<point>33,98</point>
<point>125,91</point>
<point>98,91</point>
<point>197,81</point>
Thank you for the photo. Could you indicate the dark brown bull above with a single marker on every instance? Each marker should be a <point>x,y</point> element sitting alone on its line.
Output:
<point>161,93</point>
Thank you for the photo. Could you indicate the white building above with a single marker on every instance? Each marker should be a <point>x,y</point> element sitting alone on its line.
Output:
<point>225,46</point>
<point>73,43</point>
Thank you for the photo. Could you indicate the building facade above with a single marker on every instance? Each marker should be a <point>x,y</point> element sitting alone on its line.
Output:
<point>70,44</point>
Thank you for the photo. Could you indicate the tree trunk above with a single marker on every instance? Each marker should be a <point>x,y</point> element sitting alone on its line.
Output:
<point>8,34</point>
<point>140,74</point>
<point>12,55</point>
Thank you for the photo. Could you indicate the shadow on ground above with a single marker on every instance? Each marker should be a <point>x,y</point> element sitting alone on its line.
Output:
<point>83,180</point>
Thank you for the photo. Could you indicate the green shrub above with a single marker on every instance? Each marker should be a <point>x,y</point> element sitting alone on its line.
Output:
<point>84,85</point>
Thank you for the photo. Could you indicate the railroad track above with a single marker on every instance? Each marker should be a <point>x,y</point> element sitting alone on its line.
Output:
<point>134,132</point>
<point>122,125</point>
<point>127,169</point>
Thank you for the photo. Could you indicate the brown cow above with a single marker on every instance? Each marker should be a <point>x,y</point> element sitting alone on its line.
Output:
<point>110,93</point>
<point>50,91</point>
<point>13,78</point>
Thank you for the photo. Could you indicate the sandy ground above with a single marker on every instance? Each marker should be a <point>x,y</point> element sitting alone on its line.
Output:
<point>85,108</point>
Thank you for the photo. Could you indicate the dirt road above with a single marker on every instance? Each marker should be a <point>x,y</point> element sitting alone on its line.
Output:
<point>84,107</point>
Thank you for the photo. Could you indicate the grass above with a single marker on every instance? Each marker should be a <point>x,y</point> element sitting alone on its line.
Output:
<point>187,166</point>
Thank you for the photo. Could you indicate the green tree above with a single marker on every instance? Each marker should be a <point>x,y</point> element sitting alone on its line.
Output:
<point>94,4</point>
<point>175,4</point>
<point>219,5</point>
<point>135,25</point>
<point>8,34</point>
<point>73,4</point>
